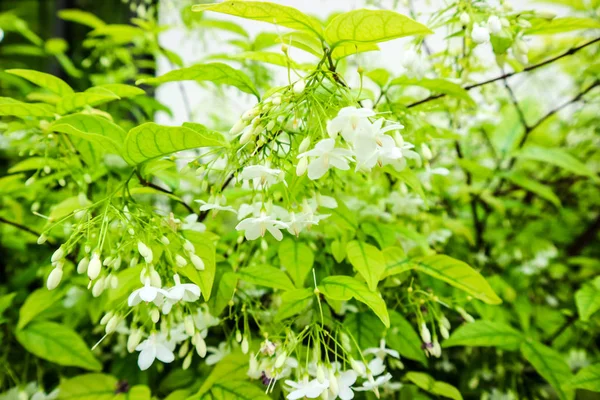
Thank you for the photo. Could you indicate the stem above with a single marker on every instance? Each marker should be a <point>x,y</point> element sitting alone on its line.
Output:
<point>156,187</point>
<point>21,227</point>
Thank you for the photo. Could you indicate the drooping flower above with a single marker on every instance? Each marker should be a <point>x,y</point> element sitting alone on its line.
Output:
<point>262,175</point>
<point>374,384</point>
<point>305,388</point>
<point>155,347</point>
<point>382,351</point>
<point>480,34</point>
<point>184,291</point>
<point>190,223</point>
<point>146,293</point>
<point>349,121</point>
<point>342,387</point>
<point>494,24</point>
<point>255,227</point>
<point>214,205</point>
<point>217,353</point>
<point>326,155</point>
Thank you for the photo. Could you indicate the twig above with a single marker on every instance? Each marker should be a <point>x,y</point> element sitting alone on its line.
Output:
<point>509,74</point>
<point>166,191</point>
<point>21,227</point>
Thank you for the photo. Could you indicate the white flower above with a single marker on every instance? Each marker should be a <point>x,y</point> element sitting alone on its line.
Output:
<point>494,24</point>
<point>480,34</point>
<point>155,347</point>
<point>261,175</point>
<point>54,278</point>
<point>425,334</point>
<point>305,388</point>
<point>190,223</point>
<point>299,86</point>
<point>343,385</point>
<point>255,227</point>
<point>326,155</point>
<point>184,291</point>
<point>204,320</point>
<point>146,293</point>
<point>382,351</point>
<point>374,384</point>
<point>217,354</point>
<point>215,205</point>
<point>349,121</point>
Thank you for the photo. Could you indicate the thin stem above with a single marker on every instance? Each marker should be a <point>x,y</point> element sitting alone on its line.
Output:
<point>21,227</point>
<point>160,189</point>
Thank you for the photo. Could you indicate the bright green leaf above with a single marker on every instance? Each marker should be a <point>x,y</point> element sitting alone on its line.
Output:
<point>436,85</point>
<point>297,259</point>
<point>432,386</point>
<point>206,250</point>
<point>88,98</point>
<point>550,365</point>
<point>15,108</point>
<point>561,25</point>
<point>240,390</point>
<point>36,303</point>
<point>365,328</point>
<point>81,17</point>
<point>587,378</point>
<point>232,367</point>
<point>556,156</point>
<point>93,128</point>
<point>587,300</point>
<point>265,275</point>
<point>89,387</point>
<point>293,302</point>
<point>44,80</point>
<point>485,333</point>
<point>367,260</point>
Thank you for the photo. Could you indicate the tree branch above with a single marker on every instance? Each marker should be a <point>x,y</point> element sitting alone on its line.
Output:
<point>22,227</point>
<point>509,74</point>
<point>166,191</point>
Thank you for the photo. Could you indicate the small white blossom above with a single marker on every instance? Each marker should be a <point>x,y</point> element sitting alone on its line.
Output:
<point>494,24</point>
<point>255,227</point>
<point>261,175</point>
<point>146,293</point>
<point>183,291</point>
<point>217,354</point>
<point>305,388</point>
<point>326,155</point>
<point>382,351</point>
<point>349,121</point>
<point>155,347</point>
<point>480,34</point>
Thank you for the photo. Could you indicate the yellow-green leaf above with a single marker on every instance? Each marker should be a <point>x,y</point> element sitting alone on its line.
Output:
<point>205,249</point>
<point>267,12</point>
<point>561,25</point>
<point>93,128</point>
<point>44,80</point>
<point>396,261</point>
<point>558,157</point>
<point>233,366</point>
<point>587,378</point>
<point>15,108</point>
<point>58,344</point>
<point>265,275</point>
<point>485,333</point>
<point>587,299</point>
<point>432,386</point>
<point>371,26</point>
<point>551,365</point>
<point>120,90</point>
<point>151,140</point>
<point>89,387</point>
<point>293,302</point>
<point>36,303</point>
<point>218,73</point>
<point>350,49</point>
<point>88,98</point>
<point>367,260</point>
<point>457,274</point>
<point>436,85</point>
<point>344,288</point>
<point>297,259</point>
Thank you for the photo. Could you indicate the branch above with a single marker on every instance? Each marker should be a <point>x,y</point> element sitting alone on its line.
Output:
<point>509,74</point>
<point>158,188</point>
<point>23,228</point>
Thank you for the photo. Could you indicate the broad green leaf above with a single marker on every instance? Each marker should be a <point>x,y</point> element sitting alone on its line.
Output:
<point>371,26</point>
<point>297,259</point>
<point>265,275</point>
<point>303,41</point>
<point>206,250</point>
<point>436,85</point>
<point>396,261</point>
<point>587,378</point>
<point>457,274</point>
<point>350,49</point>
<point>550,365</point>
<point>88,98</point>
<point>534,187</point>
<point>411,179</point>
<point>232,367</point>
<point>89,387</point>
<point>379,75</point>
<point>58,344</point>
<point>403,338</point>
<point>267,12</point>
<point>558,157</point>
<point>267,57</point>
<point>137,392</point>
<point>344,288</point>
<point>44,80</point>
<point>118,33</point>
<point>384,234</point>
<point>151,140</point>
<point>485,333</point>
<point>293,302</point>
<point>432,386</point>
<point>36,303</point>
<point>226,286</point>
<point>224,25</point>
<point>218,73</point>
<point>118,89</point>
<point>238,390</point>
<point>561,25</point>
<point>93,128</point>
<point>15,108</point>
<point>35,163</point>
<point>365,328</point>
<point>587,299</point>
<point>81,17</point>
<point>367,260</point>
<point>6,301</point>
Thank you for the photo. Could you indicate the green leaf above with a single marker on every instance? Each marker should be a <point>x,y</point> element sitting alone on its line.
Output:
<point>6,301</point>
<point>120,90</point>
<point>93,128</point>
<point>89,387</point>
<point>403,338</point>
<point>550,365</point>
<point>225,289</point>
<point>81,17</point>
<point>365,328</point>
<point>533,186</point>
<point>558,157</point>
<point>36,303</point>
<point>224,25</point>
<point>15,108</point>
<point>587,299</point>
<point>303,41</point>
<point>587,378</point>
<point>432,386</point>
<point>350,49</point>
<point>88,98</point>
<point>384,234</point>
<point>151,140</point>
<point>267,57</point>
<point>411,179</point>
<point>232,367</point>
<point>561,25</point>
<point>137,392</point>
<point>485,333</point>
<point>293,302</point>
<point>344,288</point>
<point>297,259</point>
<point>44,80</point>
<point>367,260</point>
<point>457,274</point>
<point>58,344</point>
<point>396,262</point>
<point>437,85</point>
<point>371,26</point>
<point>218,73</point>
<point>265,275</point>
<point>267,12</point>
<point>206,250</point>
<point>379,75</point>
<point>240,390</point>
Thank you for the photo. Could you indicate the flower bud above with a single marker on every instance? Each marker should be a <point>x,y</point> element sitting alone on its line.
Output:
<point>197,261</point>
<point>189,247</point>
<point>42,239</point>
<point>180,261</point>
<point>87,178</point>
<point>165,240</point>
<point>54,278</point>
<point>133,340</point>
<point>183,350</point>
<point>187,361</point>
<point>98,287</point>
<point>444,332</point>
<point>104,320</point>
<point>245,345</point>
<point>246,136</point>
<point>522,46</point>
<point>154,315</point>
<point>59,254</point>
<point>145,252</point>
<point>523,23</point>
<point>270,125</point>
<point>276,99</point>
<point>494,24</point>
<point>250,114</point>
<point>333,385</point>
<point>345,341</point>
<point>238,127</point>
<point>155,278</point>
<point>320,373</point>
<point>188,323</point>
<point>426,151</point>
<point>93,269</point>
<point>465,18</point>
<point>112,323</point>
<point>238,336</point>
<point>200,345</point>
<point>436,350</point>
<point>280,360</point>
<point>299,86</point>
<point>302,166</point>
<point>480,34</point>
<point>113,282</point>
<point>425,334</point>
<point>359,368</point>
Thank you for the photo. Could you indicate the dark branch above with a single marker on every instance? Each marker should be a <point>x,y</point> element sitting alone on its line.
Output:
<point>166,191</point>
